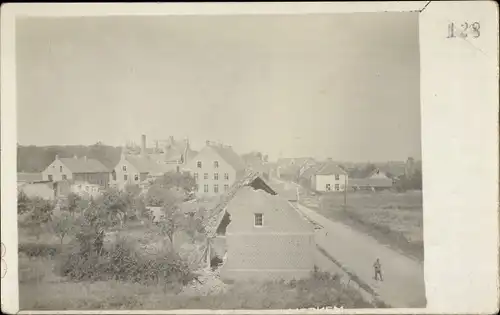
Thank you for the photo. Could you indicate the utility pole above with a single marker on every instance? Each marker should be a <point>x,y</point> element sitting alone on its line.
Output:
<point>345,191</point>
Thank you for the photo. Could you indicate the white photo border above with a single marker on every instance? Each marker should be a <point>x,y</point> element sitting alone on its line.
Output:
<point>460,149</point>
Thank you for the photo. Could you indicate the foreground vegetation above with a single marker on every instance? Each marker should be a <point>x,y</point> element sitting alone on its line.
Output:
<point>108,253</point>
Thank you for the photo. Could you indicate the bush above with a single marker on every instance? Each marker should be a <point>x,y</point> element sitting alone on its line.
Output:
<point>124,263</point>
<point>40,250</point>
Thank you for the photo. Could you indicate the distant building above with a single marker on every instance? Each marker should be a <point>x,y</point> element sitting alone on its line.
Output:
<point>329,177</point>
<point>29,178</point>
<point>135,170</point>
<point>143,167</point>
<point>77,169</point>
<point>42,190</point>
<point>260,234</point>
<point>290,168</point>
<point>215,168</point>
<point>377,180</point>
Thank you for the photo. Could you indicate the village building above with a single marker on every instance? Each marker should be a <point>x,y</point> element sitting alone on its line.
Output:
<point>215,168</point>
<point>29,178</point>
<point>143,168</point>
<point>259,235</point>
<point>290,168</point>
<point>329,177</point>
<point>377,180</point>
<point>42,190</point>
<point>82,169</point>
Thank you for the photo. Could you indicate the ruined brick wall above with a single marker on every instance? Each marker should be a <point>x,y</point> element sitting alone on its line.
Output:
<point>269,256</point>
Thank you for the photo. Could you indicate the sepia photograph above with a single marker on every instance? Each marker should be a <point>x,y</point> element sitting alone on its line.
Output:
<point>219,162</point>
<point>253,160</point>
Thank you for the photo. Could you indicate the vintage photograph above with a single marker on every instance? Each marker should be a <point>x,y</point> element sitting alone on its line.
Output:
<point>218,162</point>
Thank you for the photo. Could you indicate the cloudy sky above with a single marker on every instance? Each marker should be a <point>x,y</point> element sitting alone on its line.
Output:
<point>339,85</point>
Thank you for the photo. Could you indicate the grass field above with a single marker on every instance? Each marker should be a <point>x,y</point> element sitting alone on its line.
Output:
<point>395,219</point>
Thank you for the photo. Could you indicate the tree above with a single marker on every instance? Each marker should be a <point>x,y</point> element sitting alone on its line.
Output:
<point>171,221</point>
<point>115,204</point>
<point>180,180</point>
<point>39,213</point>
<point>23,202</point>
<point>62,225</point>
<point>73,202</point>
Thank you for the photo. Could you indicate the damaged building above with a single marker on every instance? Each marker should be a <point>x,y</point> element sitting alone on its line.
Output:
<point>257,234</point>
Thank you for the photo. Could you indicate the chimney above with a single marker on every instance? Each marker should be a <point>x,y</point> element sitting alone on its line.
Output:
<point>57,156</point>
<point>143,145</point>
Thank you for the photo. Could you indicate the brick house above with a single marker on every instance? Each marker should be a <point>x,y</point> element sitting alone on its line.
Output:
<point>83,169</point>
<point>215,168</point>
<point>260,234</point>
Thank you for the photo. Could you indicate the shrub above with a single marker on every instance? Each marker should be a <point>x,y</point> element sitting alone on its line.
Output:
<point>124,263</point>
<point>40,250</point>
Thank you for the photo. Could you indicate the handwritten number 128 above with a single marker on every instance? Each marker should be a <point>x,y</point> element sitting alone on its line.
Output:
<point>464,30</point>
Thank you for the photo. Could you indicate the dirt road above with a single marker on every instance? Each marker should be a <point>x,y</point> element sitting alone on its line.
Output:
<point>403,284</point>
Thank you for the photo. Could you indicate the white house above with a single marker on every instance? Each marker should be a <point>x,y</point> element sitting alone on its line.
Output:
<point>330,177</point>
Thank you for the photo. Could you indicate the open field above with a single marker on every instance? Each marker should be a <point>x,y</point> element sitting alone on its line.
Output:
<point>395,219</point>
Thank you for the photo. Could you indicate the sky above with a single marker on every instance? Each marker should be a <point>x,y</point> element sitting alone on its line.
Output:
<point>344,86</point>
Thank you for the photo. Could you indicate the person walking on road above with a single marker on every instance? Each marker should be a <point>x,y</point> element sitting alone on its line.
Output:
<point>378,270</point>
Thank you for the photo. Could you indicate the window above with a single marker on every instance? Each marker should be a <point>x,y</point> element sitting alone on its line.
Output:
<point>205,176</point>
<point>136,177</point>
<point>216,188</point>
<point>205,188</point>
<point>50,178</point>
<point>60,169</point>
<point>216,176</point>
<point>124,168</point>
<point>226,187</point>
<point>328,187</point>
<point>216,164</point>
<point>337,177</point>
<point>125,177</point>
<point>198,164</point>
<point>64,177</point>
<point>226,176</point>
<point>337,187</point>
<point>195,176</point>
<point>258,219</point>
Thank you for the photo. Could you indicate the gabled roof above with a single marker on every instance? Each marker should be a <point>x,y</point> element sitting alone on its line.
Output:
<point>145,164</point>
<point>370,182</point>
<point>293,161</point>
<point>250,178</point>
<point>330,168</point>
<point>227,154</point>
<point>311,170</point>
<point>247,199</point>
<point>84,165</point>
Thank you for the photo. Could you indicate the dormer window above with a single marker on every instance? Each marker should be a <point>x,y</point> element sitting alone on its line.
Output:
<point>258,219</point>
<point>198,164</point>
<point>216,164</point>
